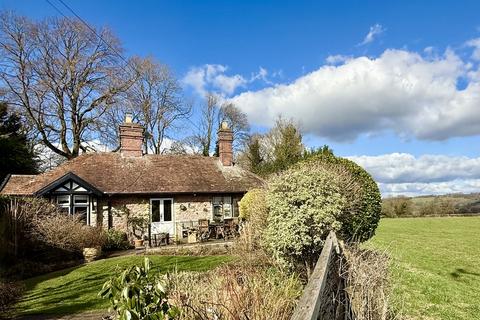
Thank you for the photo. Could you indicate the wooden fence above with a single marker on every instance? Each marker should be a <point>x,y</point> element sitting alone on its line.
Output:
<point>323,296</point>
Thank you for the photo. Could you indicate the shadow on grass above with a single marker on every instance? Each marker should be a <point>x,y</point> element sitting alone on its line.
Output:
<point>459,272</point>
<point>75,290</point>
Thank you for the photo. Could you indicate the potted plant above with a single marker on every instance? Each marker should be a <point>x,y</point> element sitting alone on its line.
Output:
<point>138,226</point>
<point>93,240</point>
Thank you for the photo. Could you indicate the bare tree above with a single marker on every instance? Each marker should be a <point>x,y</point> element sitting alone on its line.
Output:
<point>156,100</point>
<point>238,122</point>
<point>208,124</point>
<point>61,76</point>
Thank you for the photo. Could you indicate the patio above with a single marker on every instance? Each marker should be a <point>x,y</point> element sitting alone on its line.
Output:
<point>195,231</point>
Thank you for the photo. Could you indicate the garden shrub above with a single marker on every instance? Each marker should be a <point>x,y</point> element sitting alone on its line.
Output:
<point>116,240</point>
<point>361,224</point>
<point>139,294</point>
<point>37,237</point>
<point>66,232</point>
<point>308,201</point>
<point>253,212</point>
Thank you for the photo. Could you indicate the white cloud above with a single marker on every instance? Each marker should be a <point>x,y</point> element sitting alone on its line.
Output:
<point>336,59</point>
<point>212,77</point>
<point>434,188</point>
<point>475,44</point>
<point>374,31</point>
<point>402,91</point>
<point>405,174</point>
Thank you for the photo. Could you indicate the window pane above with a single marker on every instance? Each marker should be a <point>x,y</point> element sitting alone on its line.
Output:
<point>217,200</point>
<point>235,207</point>
<point>63,199</point>
<point>227,210</point>
<point>155,210</point>
<point>227,200</point>
<point>167,210</point>
<point>80,199</point>
<point>217,213</point>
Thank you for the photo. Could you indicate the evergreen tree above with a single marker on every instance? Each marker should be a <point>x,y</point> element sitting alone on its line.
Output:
<point>253,155</point>
<point>15,155</point>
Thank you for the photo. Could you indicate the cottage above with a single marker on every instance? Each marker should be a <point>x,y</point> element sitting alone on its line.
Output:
<point>109,188</point>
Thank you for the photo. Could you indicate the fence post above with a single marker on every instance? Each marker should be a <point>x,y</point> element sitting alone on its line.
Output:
<point>308,307</point>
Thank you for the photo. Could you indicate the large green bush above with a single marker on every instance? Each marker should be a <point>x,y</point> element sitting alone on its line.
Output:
<point>305,203</point>
<point>314,197</point>
<point>360,225</point>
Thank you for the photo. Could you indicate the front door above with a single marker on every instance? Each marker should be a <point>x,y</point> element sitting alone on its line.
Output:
<point>162,215</point>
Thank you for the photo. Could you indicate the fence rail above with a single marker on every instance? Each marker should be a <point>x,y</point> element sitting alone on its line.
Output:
<point>323,296</point>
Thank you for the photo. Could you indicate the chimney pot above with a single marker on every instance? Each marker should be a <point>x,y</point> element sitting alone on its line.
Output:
<point>128,117</point>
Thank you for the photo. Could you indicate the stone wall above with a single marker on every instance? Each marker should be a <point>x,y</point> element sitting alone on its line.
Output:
<point>187,207</point>
<point>190,207</point>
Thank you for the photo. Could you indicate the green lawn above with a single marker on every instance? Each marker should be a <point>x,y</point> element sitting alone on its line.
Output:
<point>436,265</point>
<point>75,290</point>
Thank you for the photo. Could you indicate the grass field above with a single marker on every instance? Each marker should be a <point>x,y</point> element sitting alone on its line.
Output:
<point>436,266</point>
<point>75,290</point>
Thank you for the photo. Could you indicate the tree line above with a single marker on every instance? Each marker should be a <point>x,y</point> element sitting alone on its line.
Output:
<point>67,87</point>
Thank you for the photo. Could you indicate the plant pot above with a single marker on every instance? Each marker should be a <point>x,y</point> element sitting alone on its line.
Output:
<point>138,243</point>
<point>90,254</point>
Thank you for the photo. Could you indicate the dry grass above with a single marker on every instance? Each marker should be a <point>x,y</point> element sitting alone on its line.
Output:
<point>251,287</point>
<point>367,283</point>
<point>235,292</point>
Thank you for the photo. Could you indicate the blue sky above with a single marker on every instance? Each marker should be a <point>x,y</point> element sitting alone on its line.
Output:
<point>298,58</point>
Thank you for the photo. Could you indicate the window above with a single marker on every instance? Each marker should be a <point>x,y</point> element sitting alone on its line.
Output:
<point>222,208</point>
<point>63,200</point>
<point>161,210</point>
<point>77,205</point>
<point>155,210</point>
<point>167,210</point>
<point>80,199</point>
<point>63,203</point>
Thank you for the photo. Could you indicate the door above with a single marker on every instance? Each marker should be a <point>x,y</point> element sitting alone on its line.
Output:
<point>162,216</point>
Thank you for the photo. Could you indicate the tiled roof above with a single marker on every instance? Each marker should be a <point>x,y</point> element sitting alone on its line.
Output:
<point>113,173</point>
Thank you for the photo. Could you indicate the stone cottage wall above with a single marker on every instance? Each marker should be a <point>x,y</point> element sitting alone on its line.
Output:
<point>121,208</point>
<point>190,207</point>
<point>187,207</point>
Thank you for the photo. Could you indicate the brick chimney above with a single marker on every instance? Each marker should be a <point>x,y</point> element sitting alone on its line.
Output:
<point>225,140</point>
<point>131,138</point>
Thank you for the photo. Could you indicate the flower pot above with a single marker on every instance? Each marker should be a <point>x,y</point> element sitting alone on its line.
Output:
<point>138,243</point>
<point>90,254</point>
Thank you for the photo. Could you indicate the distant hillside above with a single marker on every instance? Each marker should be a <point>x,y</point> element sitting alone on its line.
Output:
<point>432,205</point>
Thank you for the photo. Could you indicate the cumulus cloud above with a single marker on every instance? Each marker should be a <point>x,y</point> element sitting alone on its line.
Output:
<point>214,77</point>
<point>475,44</point>
<point>402,91</point>
<point>336,59</point>
<point>374,31</point>
<point>405,174</point>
